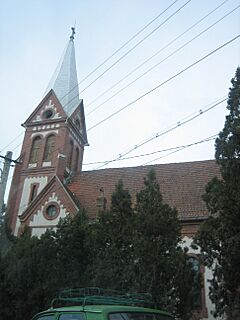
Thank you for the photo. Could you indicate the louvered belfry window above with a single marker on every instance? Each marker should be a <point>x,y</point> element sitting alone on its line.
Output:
<point>76,160</point>
<point>49,148</point>
<point>35,151</point>
<point>70,155</point>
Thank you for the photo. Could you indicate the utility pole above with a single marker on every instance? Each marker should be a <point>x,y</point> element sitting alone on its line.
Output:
<point>3,179</point>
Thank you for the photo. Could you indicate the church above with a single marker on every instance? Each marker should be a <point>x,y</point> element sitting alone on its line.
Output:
<point>49,184</point>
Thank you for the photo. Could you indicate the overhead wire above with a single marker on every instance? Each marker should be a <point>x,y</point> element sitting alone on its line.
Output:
<point>164,82</point>
<point>179,123</point>
<point>12,141</point>
<point>177,74</point>
<point>174,76</point>
<point>128,41</point>
<point>167,130</point>
<point>154,152</point>
<point>133,37</point>
<point>142,40</point>
<point>153,56</point>
<point>124,55</point>
<point>135,46</point>
<point>182,148</point>
<point>179,148</point>
<point>185,120</point>
<point>159,51</point>
<point>182,70</point>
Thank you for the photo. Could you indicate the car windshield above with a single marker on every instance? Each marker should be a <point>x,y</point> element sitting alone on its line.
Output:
<point>138,316</point>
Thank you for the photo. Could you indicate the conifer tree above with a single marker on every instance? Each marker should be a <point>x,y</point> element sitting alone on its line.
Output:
<point>219,237</point>
<point>161,265</point>
<point>113,242</point>
<point>73,253</point>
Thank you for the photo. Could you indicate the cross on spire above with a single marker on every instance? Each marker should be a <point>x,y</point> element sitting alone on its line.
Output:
<point>73,33</point>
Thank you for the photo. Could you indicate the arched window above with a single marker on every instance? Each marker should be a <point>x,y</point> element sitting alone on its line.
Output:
<point>69,163</point>
<point>77,123</point>
<point>49,148</point>
<point>195,266</point>
<point>76,160</point>
<point>33,191</point>
<point>35,151</point>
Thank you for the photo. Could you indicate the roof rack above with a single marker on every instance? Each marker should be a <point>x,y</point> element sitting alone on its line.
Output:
<point>95,295</point>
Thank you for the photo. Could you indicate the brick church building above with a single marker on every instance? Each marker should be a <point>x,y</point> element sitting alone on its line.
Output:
<point>49,184</point>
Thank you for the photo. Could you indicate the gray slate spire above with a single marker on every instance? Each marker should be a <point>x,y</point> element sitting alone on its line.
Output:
<point>64,81</point>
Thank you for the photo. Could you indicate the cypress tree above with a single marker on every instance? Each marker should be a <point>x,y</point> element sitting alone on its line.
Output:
<point>219,237</point>
<point>113,242</point>
<point>160,264</point>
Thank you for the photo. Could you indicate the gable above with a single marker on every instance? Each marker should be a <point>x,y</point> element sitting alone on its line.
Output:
<point>52,203</point>
<point>49,109</point>
<point>181,184</point>
<point>78,121</point>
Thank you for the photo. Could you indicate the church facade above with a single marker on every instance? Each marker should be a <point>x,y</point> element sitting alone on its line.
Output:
<point>49,184</point>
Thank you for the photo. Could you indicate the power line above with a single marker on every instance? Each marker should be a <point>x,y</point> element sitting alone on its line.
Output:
<point>11,141</point>
<point>179,148</point>
<point>128,41</point>
<point>153,56</point>
<point>154,152</point>
<point>157,135</point>
<point>171,54</point>
<point>64,106</point>
<point>182,148</point>
<point>169,129</point>
<point>126,52</point>
<point>135,68</point>
<point>134,101</point>
<point>185,120</point>
<point>164,82</point>
<point>135,46</point>
<point>107,59</point>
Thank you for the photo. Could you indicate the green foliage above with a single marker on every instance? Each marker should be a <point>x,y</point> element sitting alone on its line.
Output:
<point>114,243</point>
<point>161,265</point>
<point>6,239</point>
<point>72,249</point>
<point>130,249</point>
<point>219,237</point>
<point>34,270</point>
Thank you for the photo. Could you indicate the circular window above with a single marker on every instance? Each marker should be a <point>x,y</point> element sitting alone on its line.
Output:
<point>48,114</point>
<point>51,211</point>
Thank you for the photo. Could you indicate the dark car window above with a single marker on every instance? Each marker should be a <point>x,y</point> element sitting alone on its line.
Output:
<point>71,316</point>
<point>138,316</point>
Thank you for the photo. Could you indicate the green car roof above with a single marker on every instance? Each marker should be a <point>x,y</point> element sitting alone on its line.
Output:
<point>104,309</point>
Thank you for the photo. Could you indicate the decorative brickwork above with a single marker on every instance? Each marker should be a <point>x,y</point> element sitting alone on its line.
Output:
<point>45,153</point>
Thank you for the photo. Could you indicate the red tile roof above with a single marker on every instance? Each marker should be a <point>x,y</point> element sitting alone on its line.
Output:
<point>182,185</point>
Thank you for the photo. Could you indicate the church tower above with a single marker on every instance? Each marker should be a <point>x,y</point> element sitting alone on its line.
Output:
<point>51,154</point>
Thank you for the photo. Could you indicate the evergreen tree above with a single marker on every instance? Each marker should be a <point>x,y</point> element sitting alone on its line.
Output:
<point>34,270</point>
<point>20,279</point>
<point>160,264</point>
<point>73,253</point>
<point>113,242</point>
<point>219,237</point>
<point>6,239</point>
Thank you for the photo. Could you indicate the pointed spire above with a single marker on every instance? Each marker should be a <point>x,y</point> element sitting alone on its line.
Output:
<point>64,81</point>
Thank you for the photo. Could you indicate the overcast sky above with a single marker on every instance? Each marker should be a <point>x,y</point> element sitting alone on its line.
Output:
<point>34,34</point>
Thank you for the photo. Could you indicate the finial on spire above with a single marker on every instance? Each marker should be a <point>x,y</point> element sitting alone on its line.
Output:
<point>73,33</point>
